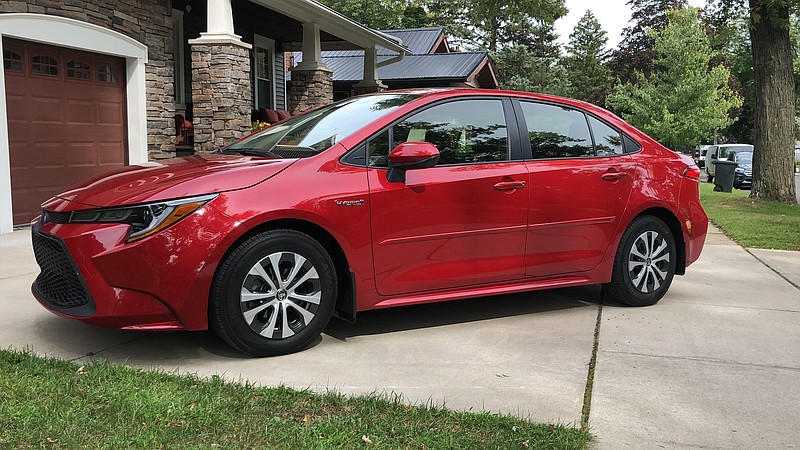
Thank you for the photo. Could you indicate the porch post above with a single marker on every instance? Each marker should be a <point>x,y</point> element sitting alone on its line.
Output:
<point>221,97</point>
<point>312,80</point>
<point>370,81</point>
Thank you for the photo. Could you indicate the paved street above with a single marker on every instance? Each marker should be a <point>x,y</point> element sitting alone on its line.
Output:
<point>713,365</point>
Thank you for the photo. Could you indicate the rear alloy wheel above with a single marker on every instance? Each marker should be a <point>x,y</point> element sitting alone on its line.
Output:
<point>645,263</point>
<point>274,294</point>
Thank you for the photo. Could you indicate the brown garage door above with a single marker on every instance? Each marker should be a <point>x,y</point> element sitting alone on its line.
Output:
<point>66,120</point>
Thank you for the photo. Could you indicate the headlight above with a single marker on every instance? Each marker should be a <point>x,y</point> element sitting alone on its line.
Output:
<point>144,220</point>
<point>739,170</point>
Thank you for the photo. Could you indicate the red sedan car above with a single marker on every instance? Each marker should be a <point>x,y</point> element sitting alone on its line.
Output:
<point>390,199</point>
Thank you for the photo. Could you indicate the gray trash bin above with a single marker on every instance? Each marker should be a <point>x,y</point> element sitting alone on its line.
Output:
<point>723,178</point>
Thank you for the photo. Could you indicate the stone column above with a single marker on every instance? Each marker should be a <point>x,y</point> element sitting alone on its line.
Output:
<point>312,80</point>
<point>221,94</point>
<point>310,89</point>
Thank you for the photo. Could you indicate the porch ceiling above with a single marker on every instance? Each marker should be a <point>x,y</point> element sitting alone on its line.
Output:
<point>337,32</point>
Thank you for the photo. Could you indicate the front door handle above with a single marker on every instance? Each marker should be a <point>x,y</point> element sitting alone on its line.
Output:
<point>510,185</point>
<point>613,175</point>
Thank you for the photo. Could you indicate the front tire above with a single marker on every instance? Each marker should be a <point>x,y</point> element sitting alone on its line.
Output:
<point>273,294</point>
<point>644,265</point>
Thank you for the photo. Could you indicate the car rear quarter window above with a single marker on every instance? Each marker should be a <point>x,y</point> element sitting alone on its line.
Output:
<point>607,140</point>
<point>464,131</point>
<point>556,131</point>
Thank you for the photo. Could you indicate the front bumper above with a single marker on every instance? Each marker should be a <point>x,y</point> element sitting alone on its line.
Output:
<point>91,274</point>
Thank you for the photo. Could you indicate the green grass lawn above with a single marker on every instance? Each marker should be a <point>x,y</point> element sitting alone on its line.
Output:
<point>752,222</point>
<point>48,403</point>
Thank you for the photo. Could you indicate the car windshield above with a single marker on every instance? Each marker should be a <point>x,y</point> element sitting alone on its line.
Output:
<point>744,158</point>
<point>310,133</point>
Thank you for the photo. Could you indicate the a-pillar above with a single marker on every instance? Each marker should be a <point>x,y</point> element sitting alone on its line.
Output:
<point>312,80</point>
<point>221,94</point>
<point>370,81</point>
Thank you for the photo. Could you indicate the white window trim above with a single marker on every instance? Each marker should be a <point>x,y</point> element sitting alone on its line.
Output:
<point>178,54</point>
<point>71,33</point>
<point>264,42</point>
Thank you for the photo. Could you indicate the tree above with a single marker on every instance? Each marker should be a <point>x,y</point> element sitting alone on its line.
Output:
<point>493,24</point>
<point>635,51</point>
<point>519,69</point>
<point>377,14</point>
<point>589,77</point>
<point>685,100</point>
<point>774,113</point>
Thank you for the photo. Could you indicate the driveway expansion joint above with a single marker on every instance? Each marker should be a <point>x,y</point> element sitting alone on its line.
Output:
<point>587,393</point>
<point>772,269</point>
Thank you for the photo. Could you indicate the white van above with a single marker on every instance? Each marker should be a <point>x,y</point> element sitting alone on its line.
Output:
<point>723,152</point>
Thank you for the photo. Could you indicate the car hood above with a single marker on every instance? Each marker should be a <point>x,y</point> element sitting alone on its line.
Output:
<point>170,179</point>
<point>746,167</point>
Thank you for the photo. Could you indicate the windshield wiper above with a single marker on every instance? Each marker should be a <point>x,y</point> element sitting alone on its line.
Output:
<point>252,152</point>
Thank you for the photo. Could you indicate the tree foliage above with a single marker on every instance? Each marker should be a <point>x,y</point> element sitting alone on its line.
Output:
<point>635,52</point>
<point>685,100</point>
<point>519,69</point>
<point>494,24</point>
<point>377,14</point>
<point>585,62</point>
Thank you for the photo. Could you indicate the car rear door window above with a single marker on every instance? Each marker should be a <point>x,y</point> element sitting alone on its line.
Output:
<point>465,132</point>
<point>556,131</point>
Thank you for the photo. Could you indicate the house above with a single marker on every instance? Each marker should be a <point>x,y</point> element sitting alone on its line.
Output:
<point>89,86</point>
<point>432,63</point>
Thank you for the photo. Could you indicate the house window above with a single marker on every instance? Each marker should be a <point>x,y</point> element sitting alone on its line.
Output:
<point>78,69</point>
<point>12,61</point>
<point>44,65</point>
<point>178,53</point>
<point>264,71</point>
<point>106,73</point>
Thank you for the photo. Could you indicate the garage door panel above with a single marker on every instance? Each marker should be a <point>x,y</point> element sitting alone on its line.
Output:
<point>79,112</point>
<point>81,154</point>
<point>110,113</point>
<point>14,104</point>
<point>62,128</point>
<point>110,155</point>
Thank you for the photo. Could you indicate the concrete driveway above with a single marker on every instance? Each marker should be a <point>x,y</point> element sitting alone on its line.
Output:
<point>714,365</point>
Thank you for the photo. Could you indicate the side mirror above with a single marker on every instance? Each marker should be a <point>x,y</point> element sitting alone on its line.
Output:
<point>411,156</point>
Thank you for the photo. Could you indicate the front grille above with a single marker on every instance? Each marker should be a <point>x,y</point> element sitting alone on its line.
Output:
<point>60,282</point>
<point>55,217</point>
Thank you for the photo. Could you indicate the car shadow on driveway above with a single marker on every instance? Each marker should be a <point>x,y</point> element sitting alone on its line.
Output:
<point>55,335</point>
<point>431,315</point>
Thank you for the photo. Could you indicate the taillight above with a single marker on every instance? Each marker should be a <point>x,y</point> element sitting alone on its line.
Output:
<point>692,172</point>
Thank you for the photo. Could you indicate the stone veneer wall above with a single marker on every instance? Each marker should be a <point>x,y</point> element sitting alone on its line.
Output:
<point>147,21</point>
<point>310,89</point>
<point>221,94</point>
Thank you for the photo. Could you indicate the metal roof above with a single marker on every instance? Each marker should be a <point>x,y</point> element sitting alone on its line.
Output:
<point>420,41</point>
<point>450,66</point>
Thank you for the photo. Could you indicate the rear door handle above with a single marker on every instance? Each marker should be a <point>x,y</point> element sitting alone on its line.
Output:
<point>613,176</point>
<point>510,185</point>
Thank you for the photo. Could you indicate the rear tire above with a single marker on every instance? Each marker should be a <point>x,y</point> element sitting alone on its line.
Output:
<point>274,293</point>
<point>644,265</point>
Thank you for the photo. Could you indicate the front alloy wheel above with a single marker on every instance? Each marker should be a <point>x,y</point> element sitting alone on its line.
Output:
<point>280,295</point>
<point>644,265</point>
<point>274,294</point>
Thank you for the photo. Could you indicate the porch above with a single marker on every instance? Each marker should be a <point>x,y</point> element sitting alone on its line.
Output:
<point>233,58</point>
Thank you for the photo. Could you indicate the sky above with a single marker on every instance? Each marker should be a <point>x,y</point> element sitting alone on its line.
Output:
<point>613,15</point>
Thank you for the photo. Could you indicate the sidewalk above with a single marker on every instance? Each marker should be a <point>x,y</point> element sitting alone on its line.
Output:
<point>714,365</point>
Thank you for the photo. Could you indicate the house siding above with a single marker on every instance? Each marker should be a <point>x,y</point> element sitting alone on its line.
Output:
<point>147,21</point>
